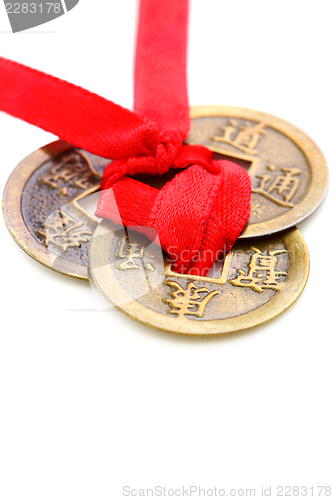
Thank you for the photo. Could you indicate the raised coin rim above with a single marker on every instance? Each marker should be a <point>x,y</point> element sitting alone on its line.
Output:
<point>315,158</point>
<point>291,289</point>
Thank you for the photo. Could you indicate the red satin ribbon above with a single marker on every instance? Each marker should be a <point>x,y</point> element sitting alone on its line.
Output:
<point>205,206</point>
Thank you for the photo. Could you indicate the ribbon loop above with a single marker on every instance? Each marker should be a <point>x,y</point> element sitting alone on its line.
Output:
<point>197,215</point>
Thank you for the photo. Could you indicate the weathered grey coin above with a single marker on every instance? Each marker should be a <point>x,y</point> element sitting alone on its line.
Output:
<point>288,172</point>
<point>40,209</point>
<point>258,280</point>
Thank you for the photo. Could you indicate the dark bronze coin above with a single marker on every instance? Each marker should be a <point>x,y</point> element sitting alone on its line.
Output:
<point>40,209</point>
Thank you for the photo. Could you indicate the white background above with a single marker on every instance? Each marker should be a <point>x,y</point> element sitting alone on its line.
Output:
<point>93,401</point>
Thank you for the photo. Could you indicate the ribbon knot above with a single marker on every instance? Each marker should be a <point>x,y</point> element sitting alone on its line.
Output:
<point>167,150</point>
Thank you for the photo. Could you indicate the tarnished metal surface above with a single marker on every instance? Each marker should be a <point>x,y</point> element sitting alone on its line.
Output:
<point>45,181</point>
<point>259,279</point>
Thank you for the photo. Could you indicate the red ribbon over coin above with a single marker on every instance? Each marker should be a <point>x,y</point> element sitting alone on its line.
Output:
<point>202,210</point>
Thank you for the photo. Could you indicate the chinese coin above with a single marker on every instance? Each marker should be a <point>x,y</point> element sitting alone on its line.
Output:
<point>258,280</point>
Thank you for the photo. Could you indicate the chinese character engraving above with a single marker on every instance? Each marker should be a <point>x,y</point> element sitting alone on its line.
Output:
<point>63,231</point>
<point>285,185</point>
<point>188,301</point>
<point>74,170</point>
<point>243,137</point>
<point>262,273</point>
<point>128,252</point>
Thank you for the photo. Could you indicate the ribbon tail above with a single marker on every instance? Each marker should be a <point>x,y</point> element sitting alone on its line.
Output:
<point>74,114</point>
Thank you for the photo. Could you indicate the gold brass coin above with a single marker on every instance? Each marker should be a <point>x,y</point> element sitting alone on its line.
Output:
<point>40,185</point>
<point>288,171</point>
<point>259,279</point>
